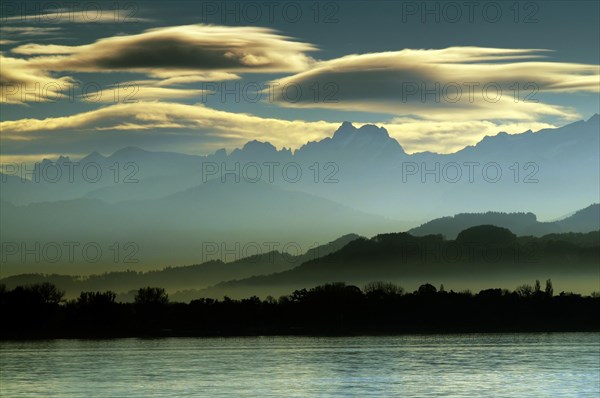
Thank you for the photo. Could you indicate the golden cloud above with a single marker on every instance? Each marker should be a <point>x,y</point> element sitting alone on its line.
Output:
<point>458,82</point>
<point>231,130</point>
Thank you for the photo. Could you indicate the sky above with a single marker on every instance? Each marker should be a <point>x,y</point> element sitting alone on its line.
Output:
<point>194,76</point>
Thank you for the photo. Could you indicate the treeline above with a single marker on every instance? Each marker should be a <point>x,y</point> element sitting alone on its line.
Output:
<point>39,311</point>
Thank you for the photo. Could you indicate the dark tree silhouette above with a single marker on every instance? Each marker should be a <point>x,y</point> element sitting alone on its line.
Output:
<point>549,290</point>
<point>524,290</point>
<point>47,293</point>
<point>381,289</point>
<point>537,289</point>
<point>486,235</point>
<point>151,296</point>
<point>97,298</point>
<point>427,289</point>
<point>37,311</point>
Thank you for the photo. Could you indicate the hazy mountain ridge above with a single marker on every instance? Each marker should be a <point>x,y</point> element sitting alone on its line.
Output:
<point>409,261</point>
<point>173,229</point>
<point>401,257</point>
<point>365,157</point>
<point>181,277</point>
<point>584,220</point>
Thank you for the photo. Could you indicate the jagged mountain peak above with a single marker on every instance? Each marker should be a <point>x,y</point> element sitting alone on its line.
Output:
<point>368,138</point>
<point>254,148</point>
<point>255,144</point>
<point>347,131</point>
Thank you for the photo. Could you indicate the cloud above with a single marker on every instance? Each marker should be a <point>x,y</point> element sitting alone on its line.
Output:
<point>170,56</point>
<point>417,135</point>
<point>90,13</point>
<point>468,83</point>
<point>21,83</point>
<point>229,127</point>
<point>187,48</point>
<point>201,129</point>
<point>180,78</point>
<point>21,31</point>
<point>130,92</point>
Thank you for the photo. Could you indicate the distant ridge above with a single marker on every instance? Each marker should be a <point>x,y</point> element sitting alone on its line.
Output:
<point>584,220</point>
<point>356,259</point>
<point>182,277</point>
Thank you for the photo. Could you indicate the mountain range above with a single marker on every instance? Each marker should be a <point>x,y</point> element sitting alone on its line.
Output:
<point>475,258</point>
<point>168,205</point>
<point>189,277</point>
<point>478,257</point>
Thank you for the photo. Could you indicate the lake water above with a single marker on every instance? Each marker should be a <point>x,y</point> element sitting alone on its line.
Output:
<point>498,365</point>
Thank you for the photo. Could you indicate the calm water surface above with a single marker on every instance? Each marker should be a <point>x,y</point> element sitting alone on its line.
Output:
<point>500,365</point>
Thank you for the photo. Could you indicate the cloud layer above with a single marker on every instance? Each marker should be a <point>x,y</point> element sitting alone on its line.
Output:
<point>211,129</point>
<point>438,99</point>
<point>456,82</point>
<point>170,55</point>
